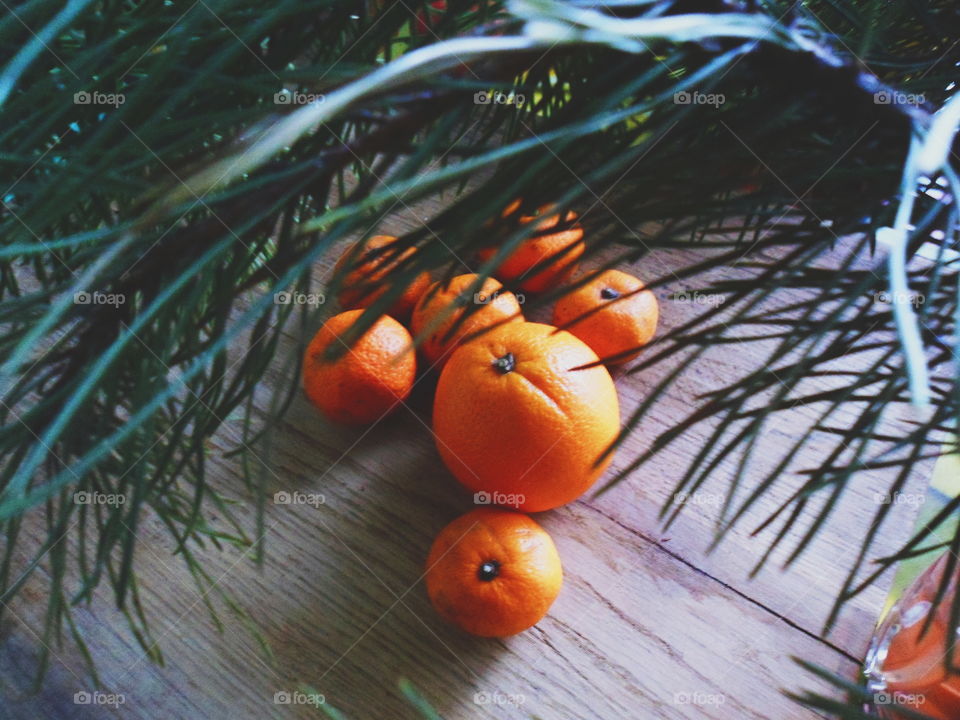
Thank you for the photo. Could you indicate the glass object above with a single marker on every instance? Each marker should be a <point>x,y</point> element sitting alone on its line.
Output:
<point>906,669</point>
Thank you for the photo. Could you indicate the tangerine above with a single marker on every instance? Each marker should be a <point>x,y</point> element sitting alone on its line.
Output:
<point>368,268</point>
<point>495,307</point>
<point>369,380</point>
<point>493,572</point>
<point>616,315</point>
<point>563,244</point>
<point>514,417</point>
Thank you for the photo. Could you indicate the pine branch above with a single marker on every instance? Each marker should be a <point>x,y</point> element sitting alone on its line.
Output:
<point>199,197</point>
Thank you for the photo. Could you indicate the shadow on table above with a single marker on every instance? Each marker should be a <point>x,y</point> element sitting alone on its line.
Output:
<point>359,619</point>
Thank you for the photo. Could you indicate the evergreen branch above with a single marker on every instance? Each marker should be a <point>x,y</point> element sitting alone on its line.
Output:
<point>199,197</point>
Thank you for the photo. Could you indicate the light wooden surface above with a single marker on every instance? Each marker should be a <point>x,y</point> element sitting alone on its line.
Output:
<point>647,625</point>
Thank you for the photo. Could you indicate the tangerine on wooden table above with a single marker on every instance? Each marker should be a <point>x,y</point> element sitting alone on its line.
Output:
<point>369,267</point>
<point>494,307</point>
<point>563,244</point>
<point>493,572</point>
<point>612,314</point>
<point>369,380</point>
<point>513,418</point>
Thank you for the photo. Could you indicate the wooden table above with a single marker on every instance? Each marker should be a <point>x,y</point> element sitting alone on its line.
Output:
<point>647,625</point>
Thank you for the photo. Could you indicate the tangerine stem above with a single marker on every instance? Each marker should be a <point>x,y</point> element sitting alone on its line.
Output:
<point>488,570</point>
<point>505,364</point>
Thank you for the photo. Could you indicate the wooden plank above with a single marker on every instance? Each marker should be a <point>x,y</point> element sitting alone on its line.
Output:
<point>806,591</point>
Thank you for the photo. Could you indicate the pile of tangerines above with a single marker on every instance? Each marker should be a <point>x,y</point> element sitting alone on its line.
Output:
<point>523,412</point>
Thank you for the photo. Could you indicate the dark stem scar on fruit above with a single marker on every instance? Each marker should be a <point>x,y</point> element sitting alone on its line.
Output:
<point>506,363</point>
<point>609,293</point>
<point>488,570</point>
